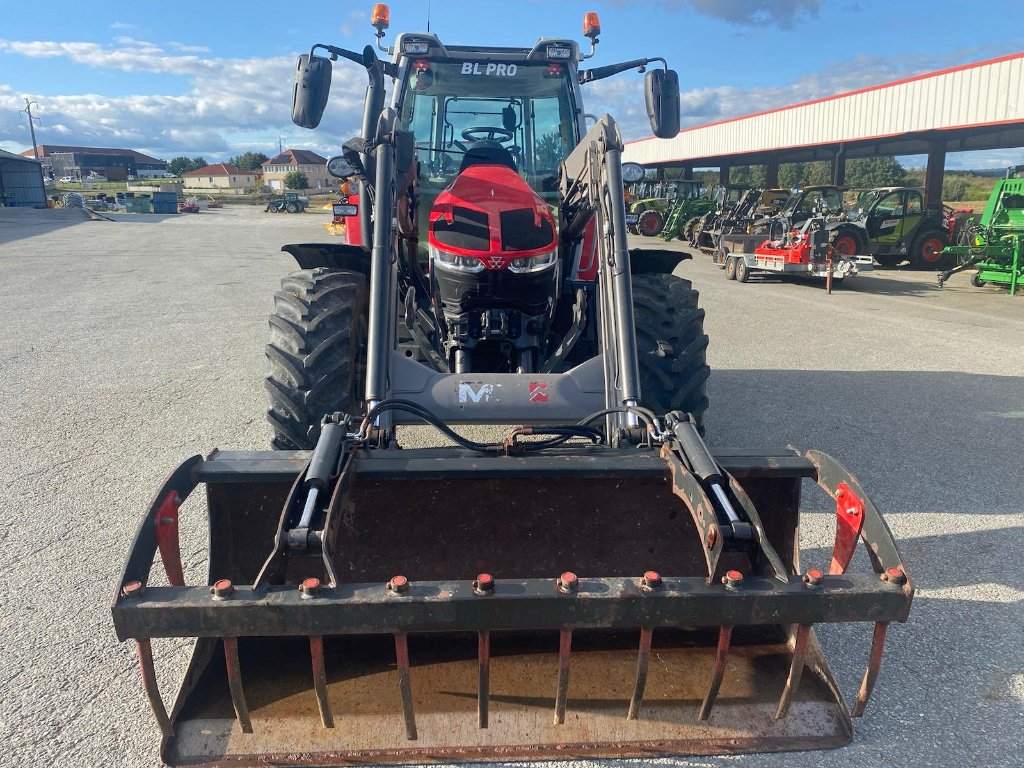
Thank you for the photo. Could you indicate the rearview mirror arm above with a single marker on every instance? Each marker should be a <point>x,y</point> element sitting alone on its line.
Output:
<point>600,73</point>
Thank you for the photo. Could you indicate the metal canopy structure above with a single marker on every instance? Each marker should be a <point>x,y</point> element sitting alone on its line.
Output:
<point>971,107</point>
<point>21,181</point>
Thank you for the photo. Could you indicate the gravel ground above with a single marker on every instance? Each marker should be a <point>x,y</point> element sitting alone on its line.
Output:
<point>132,345</point>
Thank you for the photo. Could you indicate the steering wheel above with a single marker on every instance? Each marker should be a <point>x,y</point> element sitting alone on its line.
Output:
<point>487,133</point>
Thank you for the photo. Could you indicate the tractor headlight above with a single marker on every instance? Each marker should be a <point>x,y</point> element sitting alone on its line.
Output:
<point>538,263</point>
<point>454,262</point>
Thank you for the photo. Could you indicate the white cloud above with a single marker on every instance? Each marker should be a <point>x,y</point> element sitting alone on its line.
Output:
<point>225,97</point>
<point>235,105</point>
<point>749,13</point>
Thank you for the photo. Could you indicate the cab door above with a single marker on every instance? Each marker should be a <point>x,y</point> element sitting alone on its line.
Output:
<point>885,222</point>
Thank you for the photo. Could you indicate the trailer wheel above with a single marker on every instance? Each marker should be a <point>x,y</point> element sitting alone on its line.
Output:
<point>651,223</point>
<point>976,280</point>
<point>742,271</point>
<point>317,352</point>
<point>671,345</point>
<point>730,268</point>
<point>927,252</point>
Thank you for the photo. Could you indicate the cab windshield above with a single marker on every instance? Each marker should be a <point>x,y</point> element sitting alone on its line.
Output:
<point>516,113</point>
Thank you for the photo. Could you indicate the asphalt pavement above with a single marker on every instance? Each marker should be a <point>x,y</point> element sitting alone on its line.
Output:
<point>133,344</point>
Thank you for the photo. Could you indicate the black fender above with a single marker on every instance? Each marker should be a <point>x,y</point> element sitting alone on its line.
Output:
<point>353,258</point>
<point>662,261</point>
<point>839,228</point>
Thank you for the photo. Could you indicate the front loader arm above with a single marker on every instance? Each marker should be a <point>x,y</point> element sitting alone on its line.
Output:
<point>591,185</point>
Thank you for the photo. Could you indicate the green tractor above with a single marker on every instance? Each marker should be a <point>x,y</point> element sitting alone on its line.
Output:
<point>692,202</point>
<point>994,244</point>
<point>290,202</point>
<point>892,225</point>
<point>649,206</point>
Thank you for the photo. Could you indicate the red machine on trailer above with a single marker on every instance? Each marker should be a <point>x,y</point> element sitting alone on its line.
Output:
<point>803,252</point>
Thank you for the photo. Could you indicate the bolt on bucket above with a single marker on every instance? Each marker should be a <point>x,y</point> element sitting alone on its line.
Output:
<point>454,607</point>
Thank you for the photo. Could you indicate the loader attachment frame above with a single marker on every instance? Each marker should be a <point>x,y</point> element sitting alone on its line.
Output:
<point>255,630</point>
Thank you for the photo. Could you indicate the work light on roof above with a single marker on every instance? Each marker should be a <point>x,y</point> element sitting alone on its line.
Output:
<point>415,47</point>
<point>559,52</point>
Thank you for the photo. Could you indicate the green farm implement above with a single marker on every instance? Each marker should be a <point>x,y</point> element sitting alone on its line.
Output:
<point>994,244</point>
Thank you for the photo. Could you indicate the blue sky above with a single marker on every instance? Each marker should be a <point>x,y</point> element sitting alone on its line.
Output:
<point>213,78</point>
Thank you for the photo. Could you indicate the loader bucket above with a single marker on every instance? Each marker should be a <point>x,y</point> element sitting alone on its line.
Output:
<point>502,608</point>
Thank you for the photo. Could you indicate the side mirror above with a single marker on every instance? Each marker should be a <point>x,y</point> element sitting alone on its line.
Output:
<point>661,88</point>
<point>312,85</point>
<point>508,119</point>
<point>339,168</point>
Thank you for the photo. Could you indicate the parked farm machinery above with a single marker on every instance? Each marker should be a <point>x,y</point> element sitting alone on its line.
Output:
<point>891,224</point>
<point>993,245</point>
<point>497,599</point>
<point>803,251</point>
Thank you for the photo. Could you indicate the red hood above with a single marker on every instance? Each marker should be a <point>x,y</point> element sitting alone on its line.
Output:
<point>491,213</point>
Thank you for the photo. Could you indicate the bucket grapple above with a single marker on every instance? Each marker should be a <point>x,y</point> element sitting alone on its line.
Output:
<point>597,583</point>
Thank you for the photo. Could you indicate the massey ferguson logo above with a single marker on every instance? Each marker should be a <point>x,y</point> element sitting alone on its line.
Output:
<point>475,392</point>
<point>495,261</point>
<point>538,392</point>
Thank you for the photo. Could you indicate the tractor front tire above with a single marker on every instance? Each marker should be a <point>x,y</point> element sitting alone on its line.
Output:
<point>317,353</point>
<point>671,345</point>
<point>651,223</point>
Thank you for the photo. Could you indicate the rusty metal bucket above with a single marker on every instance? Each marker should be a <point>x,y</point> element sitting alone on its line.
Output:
<point>498,608</point>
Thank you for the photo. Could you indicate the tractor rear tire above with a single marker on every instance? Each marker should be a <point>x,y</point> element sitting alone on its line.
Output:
<point>651,223</point>
<point>926,253</point>
<point>317,353</point>
<point>671,345</point>
<point>292,207</point>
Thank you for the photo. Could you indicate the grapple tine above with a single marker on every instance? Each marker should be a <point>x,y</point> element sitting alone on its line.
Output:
<point>167,538</point>
<point>643,656</point>
<point>721,658</point>
<point>235,683</point>
<point>484,682</point>
<point>144,651</point>
<point>402,659</point>
<point>796,670</point>
<point>562,692</point>
<point>871,673</point>
<point>316,655</point>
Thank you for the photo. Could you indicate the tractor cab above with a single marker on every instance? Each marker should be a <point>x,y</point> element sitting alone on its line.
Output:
<point>804,203</point>
<point>517,108</point>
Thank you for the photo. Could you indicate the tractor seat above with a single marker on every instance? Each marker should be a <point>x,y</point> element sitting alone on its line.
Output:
<point>488,154</point>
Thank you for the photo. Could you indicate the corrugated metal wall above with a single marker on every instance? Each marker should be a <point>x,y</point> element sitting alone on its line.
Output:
<point>21,183</point>
<point>978,95</point>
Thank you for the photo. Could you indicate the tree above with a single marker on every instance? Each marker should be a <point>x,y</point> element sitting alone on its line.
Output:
<point>180,165</point>
<point>296,180</point>
<point>249,161</point>
<point>550,150</point>
<point>884,171</point>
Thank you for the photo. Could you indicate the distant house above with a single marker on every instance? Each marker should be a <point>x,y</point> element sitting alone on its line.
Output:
<point>221,177</point>
<point>302,160</point>
<point>114,164</point>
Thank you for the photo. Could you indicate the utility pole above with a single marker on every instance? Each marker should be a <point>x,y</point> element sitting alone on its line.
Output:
<point>31,125</point>
<point>280,145</point>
